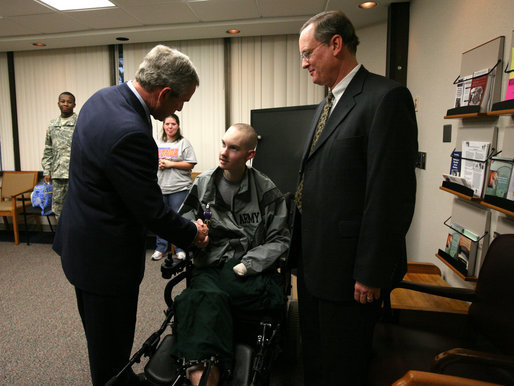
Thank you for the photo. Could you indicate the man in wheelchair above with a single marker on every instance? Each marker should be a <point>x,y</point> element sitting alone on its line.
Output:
<point>247,218</point>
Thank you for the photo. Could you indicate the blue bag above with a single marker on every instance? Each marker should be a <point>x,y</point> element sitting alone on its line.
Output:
<point>42,198</point>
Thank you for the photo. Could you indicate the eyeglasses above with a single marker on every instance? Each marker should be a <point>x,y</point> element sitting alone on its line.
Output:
<point>307,54</point>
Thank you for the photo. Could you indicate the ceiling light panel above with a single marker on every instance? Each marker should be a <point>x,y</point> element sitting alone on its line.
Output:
<point>68,5</point>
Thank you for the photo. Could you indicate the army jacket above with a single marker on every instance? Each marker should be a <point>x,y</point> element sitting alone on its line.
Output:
<point>255,231</point>
<point>56,156</point>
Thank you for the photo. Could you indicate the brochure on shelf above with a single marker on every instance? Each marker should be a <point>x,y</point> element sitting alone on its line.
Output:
<point>510,193</point>
<point>478,93</point>
<point>462,92</point>
<point>461,249</point>
<point>500,172</point>
<point>457,180</point>
<point>474,164</point>
<point>455,163</point>
<point>510,85</point>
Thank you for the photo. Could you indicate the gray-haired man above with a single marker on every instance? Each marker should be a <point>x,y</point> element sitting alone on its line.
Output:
<point>114,198</point>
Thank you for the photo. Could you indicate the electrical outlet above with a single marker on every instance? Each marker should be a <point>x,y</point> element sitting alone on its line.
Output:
<point>422,159</point>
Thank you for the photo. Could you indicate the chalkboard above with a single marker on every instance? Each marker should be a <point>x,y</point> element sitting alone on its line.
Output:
<point>283,133</point>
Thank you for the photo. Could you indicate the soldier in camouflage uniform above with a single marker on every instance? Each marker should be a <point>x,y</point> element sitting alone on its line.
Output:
<point>56,156</point>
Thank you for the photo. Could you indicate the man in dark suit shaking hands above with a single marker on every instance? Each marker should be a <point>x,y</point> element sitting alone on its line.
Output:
<point>114,198</point>
<point>355,201</point>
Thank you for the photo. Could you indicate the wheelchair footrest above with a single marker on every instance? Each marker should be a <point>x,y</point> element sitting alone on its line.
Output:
<point>161,369</point>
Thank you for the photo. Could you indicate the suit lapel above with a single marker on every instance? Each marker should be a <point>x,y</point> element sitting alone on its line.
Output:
<point>342,109</point>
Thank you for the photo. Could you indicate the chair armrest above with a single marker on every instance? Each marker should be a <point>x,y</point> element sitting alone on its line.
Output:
<point>462,355</point>
<point>22,192</point>
<point>422,378</point>
<point>465,294</point>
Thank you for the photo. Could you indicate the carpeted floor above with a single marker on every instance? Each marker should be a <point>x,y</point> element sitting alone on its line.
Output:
<point>42,340</point>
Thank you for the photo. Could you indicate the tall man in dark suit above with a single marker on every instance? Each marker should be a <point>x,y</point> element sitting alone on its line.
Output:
<point>355,200</point>
<point>114,198</point>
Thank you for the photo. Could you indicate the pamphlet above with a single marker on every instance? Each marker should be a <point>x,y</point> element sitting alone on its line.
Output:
<point>466,87</point>
<point>474,164</point>
<point>478,90</point>
<point>455,163</point>
<point>499,177</point>
<point>510,85</point>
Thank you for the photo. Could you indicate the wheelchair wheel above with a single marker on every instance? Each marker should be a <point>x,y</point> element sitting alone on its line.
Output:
<point>292,343</point>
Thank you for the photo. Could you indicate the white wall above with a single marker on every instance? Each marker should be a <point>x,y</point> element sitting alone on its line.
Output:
<point>372,50</point>
<point>440,31</point>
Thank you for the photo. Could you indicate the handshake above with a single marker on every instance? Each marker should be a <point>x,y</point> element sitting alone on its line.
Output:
<point>202,237</point>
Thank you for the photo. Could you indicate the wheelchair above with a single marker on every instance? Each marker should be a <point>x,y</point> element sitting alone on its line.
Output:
<point>261,340</point>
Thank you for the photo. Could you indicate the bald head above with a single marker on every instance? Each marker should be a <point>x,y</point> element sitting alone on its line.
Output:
<point>249,136</point>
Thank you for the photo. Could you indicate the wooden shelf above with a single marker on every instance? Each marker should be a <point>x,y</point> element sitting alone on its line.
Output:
<point>471,115</point>
<point>459,194</point>
<point>499,209</point>
<point>466,278</point>
<point>501,112</point>
<point>479,200</point>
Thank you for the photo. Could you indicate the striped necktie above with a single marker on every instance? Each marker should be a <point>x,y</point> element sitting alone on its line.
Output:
<point>319,128</point>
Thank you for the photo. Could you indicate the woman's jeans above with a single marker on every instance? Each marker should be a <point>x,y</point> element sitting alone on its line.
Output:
<point>173,201</point>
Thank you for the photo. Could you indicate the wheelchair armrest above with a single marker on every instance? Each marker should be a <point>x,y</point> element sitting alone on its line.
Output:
<point>465,294</point>
<point>462,355</point>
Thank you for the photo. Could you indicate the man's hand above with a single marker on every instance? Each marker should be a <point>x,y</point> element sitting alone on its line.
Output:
<point>240,269</point>
<point>47,179</point>
<point>202,237</point>
<point>364,294</point>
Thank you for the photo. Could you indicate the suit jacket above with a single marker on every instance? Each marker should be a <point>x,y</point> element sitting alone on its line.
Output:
<point>359,190</point>
<point>113,196</point>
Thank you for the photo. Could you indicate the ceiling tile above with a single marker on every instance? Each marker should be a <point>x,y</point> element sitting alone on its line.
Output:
<point>218,10</point>
<point>137,3</point>
<point>22,7</point>
<point>162,14</point>
<point>105,19</point>
<point>49,23</point>
<point>270,8</point>
<point>10,28</point>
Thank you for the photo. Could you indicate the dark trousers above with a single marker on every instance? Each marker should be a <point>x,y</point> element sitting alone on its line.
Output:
<point>336,339</point>
<point>109,323</point>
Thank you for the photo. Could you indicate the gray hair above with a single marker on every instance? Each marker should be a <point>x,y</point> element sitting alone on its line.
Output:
<point>330,23</point>
<point>167,67</point>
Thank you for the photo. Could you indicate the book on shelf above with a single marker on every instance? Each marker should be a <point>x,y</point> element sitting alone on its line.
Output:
<point>480,89</point>
<point>510,192</point>
<point>455,163</point>
<point>510,84</point>
<point>474,164</point>
<point>500,172</point>
<point>461,247</point>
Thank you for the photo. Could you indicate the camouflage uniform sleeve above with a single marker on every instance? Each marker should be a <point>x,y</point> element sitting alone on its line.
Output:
<point>46,161</point>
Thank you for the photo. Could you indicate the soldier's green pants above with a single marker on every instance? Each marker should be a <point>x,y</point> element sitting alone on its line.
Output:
<point>59,190</point>
<point>203,311</point>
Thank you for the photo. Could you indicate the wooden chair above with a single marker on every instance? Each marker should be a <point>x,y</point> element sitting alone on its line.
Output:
<point>14,187</point>
<point>477,345</point>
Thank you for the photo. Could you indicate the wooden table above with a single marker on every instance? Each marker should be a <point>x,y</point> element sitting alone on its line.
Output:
<point>412,300</point>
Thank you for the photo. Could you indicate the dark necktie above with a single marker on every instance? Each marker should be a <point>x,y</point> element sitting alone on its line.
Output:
<point>319,128</point>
